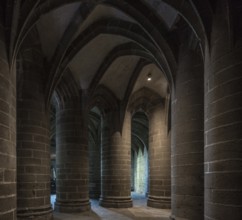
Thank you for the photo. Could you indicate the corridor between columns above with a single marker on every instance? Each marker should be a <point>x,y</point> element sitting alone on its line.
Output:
<point>97,212</point>
<point>110,157</point>
<point>103,99</point>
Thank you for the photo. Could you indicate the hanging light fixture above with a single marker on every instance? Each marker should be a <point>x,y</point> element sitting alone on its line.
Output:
<point>149,77</point>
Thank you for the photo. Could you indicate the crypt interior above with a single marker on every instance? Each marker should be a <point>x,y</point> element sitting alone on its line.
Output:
<point>103,101</point>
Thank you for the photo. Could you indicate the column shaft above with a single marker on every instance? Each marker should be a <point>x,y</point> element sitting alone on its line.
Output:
<point>159,160</point>
<point>116,163</point>
<point>188,138</point>
<point>7,135</point>
<point>71,159</point>
<point>223,122</point>
<point>33,144</point>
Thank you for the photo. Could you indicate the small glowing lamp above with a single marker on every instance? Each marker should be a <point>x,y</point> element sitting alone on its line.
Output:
<point>149,77</point>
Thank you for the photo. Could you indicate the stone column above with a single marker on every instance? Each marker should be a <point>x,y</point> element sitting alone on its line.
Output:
<point>187,138</point>
<point>116,162</point>
<point>95,169</point>
<point>33,144</point>
<point>7,135</point>
<point>223,121</point>
<point>71,158</point>
<point>159,159</point>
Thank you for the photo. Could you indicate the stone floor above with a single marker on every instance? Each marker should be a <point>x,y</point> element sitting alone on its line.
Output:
<point>138,211</point>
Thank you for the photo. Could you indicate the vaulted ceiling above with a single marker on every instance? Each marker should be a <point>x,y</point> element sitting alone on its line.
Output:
<point>110,43</point>
<point>107,47</point>
<point>113,43</point>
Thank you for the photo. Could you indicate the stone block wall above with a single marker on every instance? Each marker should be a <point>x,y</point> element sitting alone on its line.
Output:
<point>33,138</point>
<point>159,159</point>
<point>7,134</point>
<point>116,163</point>
<point>187,138</point>
<point>94,170</point>
<point>223,119</point>
<point>72,167</point>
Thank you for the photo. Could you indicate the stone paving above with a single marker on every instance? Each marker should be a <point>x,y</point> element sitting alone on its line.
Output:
<point>139,211</point>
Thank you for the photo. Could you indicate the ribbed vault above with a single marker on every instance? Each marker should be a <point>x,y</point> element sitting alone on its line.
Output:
<point>105,49</point>
<point>97,39</point>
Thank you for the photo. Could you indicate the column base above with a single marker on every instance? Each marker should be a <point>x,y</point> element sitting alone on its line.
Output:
<point>160,202</point>
<point>72,206</point>
<point>41,213</point>
<point>116,202</point>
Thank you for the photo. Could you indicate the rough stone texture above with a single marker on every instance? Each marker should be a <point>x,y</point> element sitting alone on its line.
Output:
<point>7,135</point>
<point>116,162</point>
<point>33,144</point>
<point>187,138</point>
<point>94,169</point>
<point>71,158</point>
<point>159,159</point>
<point>223,122</point>
<point>115,45</point>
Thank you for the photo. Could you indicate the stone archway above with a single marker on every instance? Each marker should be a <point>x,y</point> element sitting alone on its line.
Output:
<point>146,100</point>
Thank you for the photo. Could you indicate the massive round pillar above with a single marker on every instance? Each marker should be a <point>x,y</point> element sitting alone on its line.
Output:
<point>159,159</point>
<point>223,121</point>
<point>7,135</point>
<point>33,144</point>
<point>188,138</point>
<point>94,166</point>
<point>116,162</point>
<point>71,158</point>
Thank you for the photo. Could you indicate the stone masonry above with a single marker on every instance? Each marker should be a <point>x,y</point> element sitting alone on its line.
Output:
<point>33,139</point>
<point>179,63</point>
<point>223,124</point>
<point>159,159</point>
<point>7,135</point>
<point>187,138</point>
<point>116,162</point>
<point>71,155</point>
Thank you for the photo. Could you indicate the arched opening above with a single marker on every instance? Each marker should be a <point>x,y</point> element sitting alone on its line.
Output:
<point>54,105</point>
<point>139,155</point>
<point>53,152</point>
<point>139,162</point>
